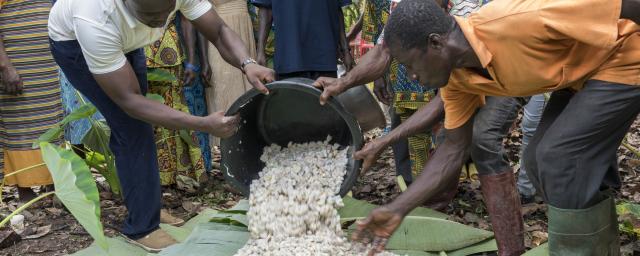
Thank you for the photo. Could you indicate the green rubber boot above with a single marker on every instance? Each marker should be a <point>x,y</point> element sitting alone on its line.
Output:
<point>584,232</point>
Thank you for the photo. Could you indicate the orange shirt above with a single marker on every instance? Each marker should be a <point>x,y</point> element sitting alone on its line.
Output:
<point>535,46</point>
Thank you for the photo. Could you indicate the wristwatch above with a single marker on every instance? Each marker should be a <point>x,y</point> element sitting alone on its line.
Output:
<point>247,62</point>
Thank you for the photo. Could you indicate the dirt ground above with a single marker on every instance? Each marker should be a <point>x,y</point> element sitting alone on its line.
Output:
<point>60,233</point>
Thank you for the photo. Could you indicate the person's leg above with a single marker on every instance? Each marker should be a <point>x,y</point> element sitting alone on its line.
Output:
<point>400,151</point>
<point>131,140</point>
<point>572,159</point>
<point>491,125</point>
<point>532,112</point>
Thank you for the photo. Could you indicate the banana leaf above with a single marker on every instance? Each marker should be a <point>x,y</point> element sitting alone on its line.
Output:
<point>542,250</point>
<point>357,209</point>
<point>117,247</point>
<point>76,188</point>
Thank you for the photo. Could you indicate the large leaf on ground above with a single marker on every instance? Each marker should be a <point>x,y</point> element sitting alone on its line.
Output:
<point>210,239</point>
<point>542,250</point>
<point>433,234</point>
<point>117,247</point>
<point>357,209</point>
<point>75,187</point>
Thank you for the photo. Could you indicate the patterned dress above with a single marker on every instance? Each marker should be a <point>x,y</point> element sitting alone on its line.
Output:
<point>75,131</point>
<point>23,118</point>
<point>179,161</point>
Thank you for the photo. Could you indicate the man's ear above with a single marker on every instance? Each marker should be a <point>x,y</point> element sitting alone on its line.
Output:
<point>435,41</point>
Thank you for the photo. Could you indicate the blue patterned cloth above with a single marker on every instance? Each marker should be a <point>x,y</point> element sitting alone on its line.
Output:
<point>194,95</point>
<point>75,131</point>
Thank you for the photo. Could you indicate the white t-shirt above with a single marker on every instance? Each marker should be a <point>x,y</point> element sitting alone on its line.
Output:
<point>106,30</point>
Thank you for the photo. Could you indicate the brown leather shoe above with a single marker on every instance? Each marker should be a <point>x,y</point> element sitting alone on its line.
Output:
<point>503,203</point>
<point>154,242</point>
<point>167,218</point>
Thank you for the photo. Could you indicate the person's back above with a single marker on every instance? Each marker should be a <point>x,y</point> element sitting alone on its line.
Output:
<point>307,35</point>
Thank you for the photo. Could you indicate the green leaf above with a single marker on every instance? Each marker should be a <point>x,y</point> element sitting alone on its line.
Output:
<point>155,97</point>
<point>75,187</point>
<point>117,247</point>
<point>357,209</point>
<point>240,220</point>
<point>52,134</point>
<point>542,250</point>
<point>186,137</point>
<point>84,111</point>
<point>160,75</point>
<point>210,239</point>
<point>433,234</point>
<point>489,245</point>
<point>97,138</point>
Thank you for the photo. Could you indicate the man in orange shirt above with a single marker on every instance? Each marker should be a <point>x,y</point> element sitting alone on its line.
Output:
<point>587,52</point>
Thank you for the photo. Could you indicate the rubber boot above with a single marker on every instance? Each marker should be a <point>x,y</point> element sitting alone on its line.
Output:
<point>584,232</point>
<point>503,203</point>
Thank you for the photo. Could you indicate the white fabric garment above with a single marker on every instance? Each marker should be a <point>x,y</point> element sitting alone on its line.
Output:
<point>106,30</point>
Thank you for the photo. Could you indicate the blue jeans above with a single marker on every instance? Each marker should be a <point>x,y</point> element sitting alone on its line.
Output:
<point>530,119</point>
<point>131,141</point>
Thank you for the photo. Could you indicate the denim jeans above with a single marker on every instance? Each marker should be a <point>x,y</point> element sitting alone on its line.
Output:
<point>530,119</point>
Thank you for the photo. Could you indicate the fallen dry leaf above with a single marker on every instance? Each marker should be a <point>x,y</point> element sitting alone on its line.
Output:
<point>40,232</point>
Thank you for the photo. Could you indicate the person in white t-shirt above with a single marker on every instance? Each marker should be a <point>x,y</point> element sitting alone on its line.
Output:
<point>98,45</point>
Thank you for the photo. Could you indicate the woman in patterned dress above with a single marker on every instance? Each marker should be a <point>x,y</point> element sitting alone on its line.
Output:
<point>180,161</point>
<point>30,102</point>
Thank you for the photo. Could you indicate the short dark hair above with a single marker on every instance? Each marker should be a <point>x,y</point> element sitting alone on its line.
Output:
<point>413,21</point>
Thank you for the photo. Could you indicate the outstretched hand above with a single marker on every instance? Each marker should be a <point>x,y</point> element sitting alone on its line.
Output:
<point>377,228</point>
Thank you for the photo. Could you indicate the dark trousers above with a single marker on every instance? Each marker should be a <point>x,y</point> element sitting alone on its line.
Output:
<point>491,125</point>
<point>131,141</point>
<point>572,156</point>
<point>313,75</point>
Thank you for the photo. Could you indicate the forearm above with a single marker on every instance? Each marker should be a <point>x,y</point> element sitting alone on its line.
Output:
<point>631,10</point>
<point>355,30</point>
<point>188,34</point>
<point>442,166</point>
<point>231,47</point>
<point>4,58</point>
<point>371,66</point>
<point>150,111</point>
<point>121,86</point>
<point>422,120</point>
<point>343,44</point>
<point>203,49</point>
<point>266,19</point>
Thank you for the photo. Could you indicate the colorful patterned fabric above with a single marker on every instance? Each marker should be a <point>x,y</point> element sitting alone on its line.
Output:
<point>376,13</point>
<point>75,131</point>
<point>177,159</point>
<point>194,96</point>
<point>23,118</point>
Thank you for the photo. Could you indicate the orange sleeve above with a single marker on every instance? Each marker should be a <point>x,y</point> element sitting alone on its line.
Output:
<point>459,106</point>
<point>592,22</point>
